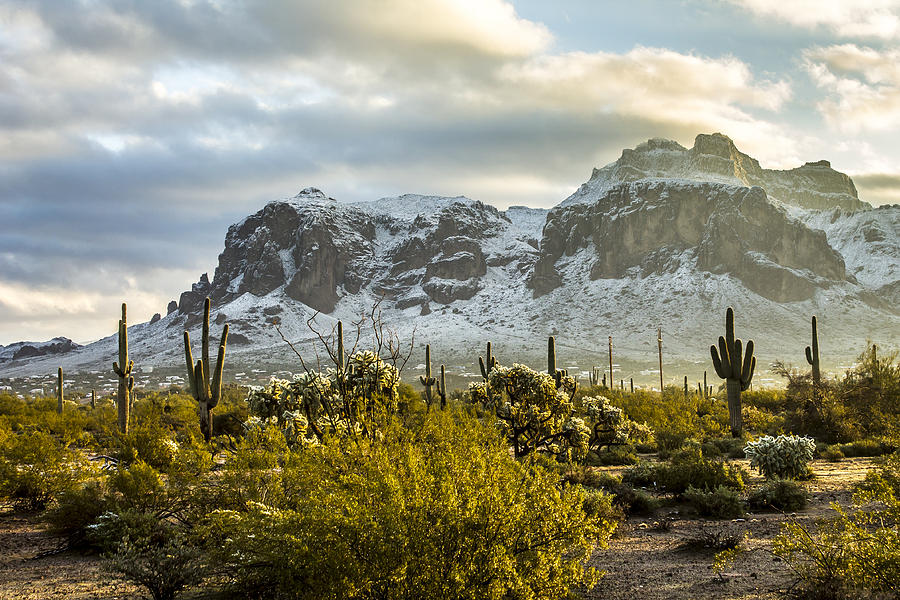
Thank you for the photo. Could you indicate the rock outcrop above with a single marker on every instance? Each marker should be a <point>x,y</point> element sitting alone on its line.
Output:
<point>655,225</point>
<point>714,157</point>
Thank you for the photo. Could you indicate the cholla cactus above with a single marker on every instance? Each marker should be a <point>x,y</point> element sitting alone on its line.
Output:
<point>609,425</point>
<point>334,403</point>
<point>533,413</point>
<point>785,456</point>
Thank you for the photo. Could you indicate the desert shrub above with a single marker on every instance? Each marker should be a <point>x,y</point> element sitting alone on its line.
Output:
<point>832,453</point>
<point>770,400</point>
<point>615,456</point>
<point>671,411</point>
<point>154,552</point>
<point>630,500</point>
<point>871,391</point>
<point>669,441</point>
<point>725,447</point>
<point>689,468</point>
<point>39,414</point>
<point>778,494</point>
<point>783,457</point>
<point>762,421</point>
<point>720,502</point>
<point>534,414</point>
<point>717,539</point>
<point>856,551</point>
<point>149,442</point>
<point>252,473</point>
<point>35,468</point>
<point>76,510</point>
<point>633,501</point>
<point>867,447</point>
<point>444,512</point>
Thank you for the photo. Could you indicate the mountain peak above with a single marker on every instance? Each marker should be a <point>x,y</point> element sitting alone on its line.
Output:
<point>715,158</point>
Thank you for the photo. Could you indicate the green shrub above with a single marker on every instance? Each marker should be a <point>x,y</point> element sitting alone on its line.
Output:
<point>858,550</point>
<point>720,503</point>
<point>149,442</point>
<point>868,447</point>
<point>35,468</point>
<point>153,552</point>
<point>687,468</point>
<point>784,457</point>
<point>76,510</point>
<point>832,453</point>
<point>613,456</point>
<point>445,512</point>
<point>779,494</point>
<point>726,447</point>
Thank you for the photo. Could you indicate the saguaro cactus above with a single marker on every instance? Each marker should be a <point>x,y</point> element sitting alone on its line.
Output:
<point>812,354</point>
<point>427,380</point>
<point>442,389</point>
<point>487,363</point>
<point>59,391</point>
<point>123,369</point>
<point>206,392</point>
<point>735,366</point>
<point>705,393</point>
<point>559,375</point>
<point>595,376</point>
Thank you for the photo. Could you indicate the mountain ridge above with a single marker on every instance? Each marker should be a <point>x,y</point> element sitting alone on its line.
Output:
<point>627,252</point>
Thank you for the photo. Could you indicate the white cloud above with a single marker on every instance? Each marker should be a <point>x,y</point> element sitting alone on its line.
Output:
<point>862,86</point>
<point>846,18</point>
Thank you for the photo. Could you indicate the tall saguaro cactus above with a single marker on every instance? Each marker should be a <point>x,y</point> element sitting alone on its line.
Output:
<point>207,392</point>
<point>59,391</point>
<point>735,365</point>
<point>123,369</point>
<point>427,380</point>
<point>812,354</point>
<point>487,363</point>
<point>442,389</point>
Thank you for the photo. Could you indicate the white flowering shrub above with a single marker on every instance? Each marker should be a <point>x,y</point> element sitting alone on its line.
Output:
<point>313,405</point>
<point>785,456</point>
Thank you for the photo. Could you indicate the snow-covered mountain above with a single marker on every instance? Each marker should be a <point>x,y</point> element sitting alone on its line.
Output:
<point>663,237</point>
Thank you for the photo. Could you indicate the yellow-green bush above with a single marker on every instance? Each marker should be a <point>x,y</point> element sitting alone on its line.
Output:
<point>444,512</point>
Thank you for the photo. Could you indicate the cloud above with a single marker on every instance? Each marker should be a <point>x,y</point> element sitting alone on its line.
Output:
<point>878,188</point>
<point>863,86</point>
<point>133,133</point>
<point>857,19</point>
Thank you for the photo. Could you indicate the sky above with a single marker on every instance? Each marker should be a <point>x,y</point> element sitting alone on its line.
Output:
<point>132,133</point>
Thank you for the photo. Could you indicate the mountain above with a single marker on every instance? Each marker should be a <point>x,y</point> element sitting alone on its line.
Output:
<point>22,351</point>
<point>663,237</point>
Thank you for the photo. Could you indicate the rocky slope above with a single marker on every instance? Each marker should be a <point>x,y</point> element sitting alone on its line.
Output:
<point>664,237</point>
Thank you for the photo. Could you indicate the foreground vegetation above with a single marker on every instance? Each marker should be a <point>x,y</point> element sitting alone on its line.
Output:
<point>348,483</point>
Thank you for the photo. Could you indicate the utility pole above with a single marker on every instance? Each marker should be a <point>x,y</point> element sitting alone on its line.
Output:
<point>659,343</point>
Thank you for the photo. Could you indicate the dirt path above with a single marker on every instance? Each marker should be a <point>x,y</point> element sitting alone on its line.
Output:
<point>642,561</point>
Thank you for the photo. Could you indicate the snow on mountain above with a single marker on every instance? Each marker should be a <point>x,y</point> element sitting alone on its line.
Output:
<point>664,237</point>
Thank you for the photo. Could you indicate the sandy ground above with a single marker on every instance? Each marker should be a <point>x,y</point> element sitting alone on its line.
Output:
<point>642,561</point>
